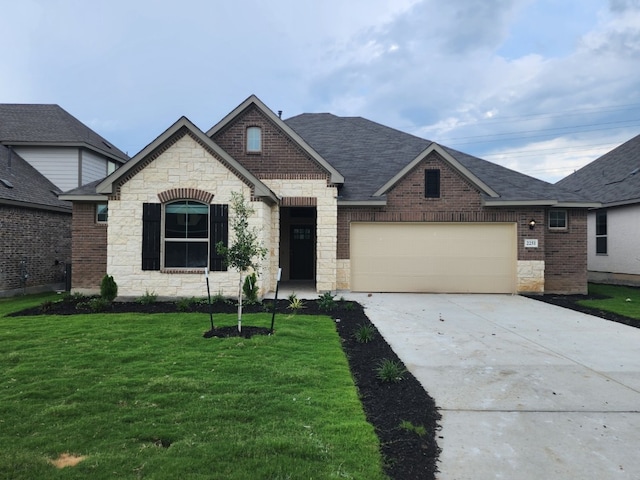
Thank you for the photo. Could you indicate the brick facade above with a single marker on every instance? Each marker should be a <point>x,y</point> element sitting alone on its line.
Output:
<point>89,261</point>
<point>279,158</point>
<point>565,256</point>
<point>37,242</point>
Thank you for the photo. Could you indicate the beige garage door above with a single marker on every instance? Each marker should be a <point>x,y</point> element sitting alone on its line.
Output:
<point>433,257</point>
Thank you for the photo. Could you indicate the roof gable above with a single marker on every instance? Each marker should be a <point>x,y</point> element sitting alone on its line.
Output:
<point>22,185</point>
<point>335,176</point>
<point>51,125</point>
<point>613,178</point>
<point>182,127</point>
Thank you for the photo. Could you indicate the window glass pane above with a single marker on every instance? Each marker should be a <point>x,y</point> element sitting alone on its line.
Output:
<point>102,212</point>
<point>601,245</point>
<point>432,183</point>
<point>601,223</point>
<point>186,219</point>
<point>185,254</point>
<point>254,143</point>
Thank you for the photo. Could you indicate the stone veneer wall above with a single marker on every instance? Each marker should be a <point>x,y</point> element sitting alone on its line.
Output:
<point>39,237</point>
<point>326,224</point>
<point>185,164</point>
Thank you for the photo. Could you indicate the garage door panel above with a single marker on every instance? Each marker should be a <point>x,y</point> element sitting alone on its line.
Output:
<point>428,257</point>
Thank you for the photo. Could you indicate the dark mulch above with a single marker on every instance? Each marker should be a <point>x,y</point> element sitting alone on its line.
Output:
<point>407,454</point>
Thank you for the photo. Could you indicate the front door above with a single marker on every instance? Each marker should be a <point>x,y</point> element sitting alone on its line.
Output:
<point>302,255</point>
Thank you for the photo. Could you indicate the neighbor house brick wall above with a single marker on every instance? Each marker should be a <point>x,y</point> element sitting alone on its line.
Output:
<point>279,157</point>
<point>565,255</point>
<point>89,259</point>
<point>39,237</point>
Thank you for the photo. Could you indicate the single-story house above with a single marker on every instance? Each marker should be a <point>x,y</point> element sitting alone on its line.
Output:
<point>35,229</point>
<point>343,202</point>
<point>614,229</point>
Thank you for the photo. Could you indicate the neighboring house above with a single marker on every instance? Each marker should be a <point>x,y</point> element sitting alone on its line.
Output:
<point>44,151</point>
<point>614,229</point>
<point>57,144</point>
<point>344,202</point>
<point>35,229</point>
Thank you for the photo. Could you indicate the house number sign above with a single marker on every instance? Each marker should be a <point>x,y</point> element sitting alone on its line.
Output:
<point>530,243</point>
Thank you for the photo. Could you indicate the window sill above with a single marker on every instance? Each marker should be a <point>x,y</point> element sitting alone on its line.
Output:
<point>186,271</point>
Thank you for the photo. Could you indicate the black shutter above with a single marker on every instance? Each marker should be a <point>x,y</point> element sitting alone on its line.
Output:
<point>218,232</point>
<point>151,221</point>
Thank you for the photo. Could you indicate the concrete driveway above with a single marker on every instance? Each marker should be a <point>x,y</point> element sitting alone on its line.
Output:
<point>526,390</point>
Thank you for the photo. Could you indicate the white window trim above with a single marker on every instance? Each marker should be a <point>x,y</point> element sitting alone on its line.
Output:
<point>102,222</point>
<point>566,220</point>
<point>247,146</point>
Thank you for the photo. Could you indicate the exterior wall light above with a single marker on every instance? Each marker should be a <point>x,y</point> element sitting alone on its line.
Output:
<point>532,224</point>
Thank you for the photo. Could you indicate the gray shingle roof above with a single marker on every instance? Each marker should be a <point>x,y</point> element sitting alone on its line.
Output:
<point>39,124</point>
<point>21,184</point>
<point>612,178</point>
<point>368,154</point>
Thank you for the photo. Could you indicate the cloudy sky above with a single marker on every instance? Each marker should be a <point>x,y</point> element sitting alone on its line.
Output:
<point>540,86</point>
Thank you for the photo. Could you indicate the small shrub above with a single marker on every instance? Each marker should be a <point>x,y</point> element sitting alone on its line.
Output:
<point>94,305</point>
<point>410,427</point>
<point>46,306</point>
<point>219,298</point>
<point>147,298</point>
<point>349,306</point>
<point>267,306</point>
<point>186,304</point>
<point>390,371</point>
<point>365,333</point>
<point>108,288</point>
<point>250,289</point>
<point>295,304</point>
<point>326,301</point>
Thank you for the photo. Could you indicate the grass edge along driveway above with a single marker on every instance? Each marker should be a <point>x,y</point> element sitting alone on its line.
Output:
<point>145,396</point>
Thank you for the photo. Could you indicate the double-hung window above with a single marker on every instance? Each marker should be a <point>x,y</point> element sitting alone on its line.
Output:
<point>186,234</point>
<point>601,232</point>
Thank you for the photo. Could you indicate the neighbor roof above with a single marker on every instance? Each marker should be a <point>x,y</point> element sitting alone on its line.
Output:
<point>46,125</point>
<point>22,185</point>
<point>613,178</point>
<point>371,156</point>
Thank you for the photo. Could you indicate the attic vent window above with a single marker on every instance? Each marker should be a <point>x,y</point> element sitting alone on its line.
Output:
<point>6,183</point>
<point>254,140</point>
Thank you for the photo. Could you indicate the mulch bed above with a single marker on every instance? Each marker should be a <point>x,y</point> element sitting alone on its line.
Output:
<point>407,454</point>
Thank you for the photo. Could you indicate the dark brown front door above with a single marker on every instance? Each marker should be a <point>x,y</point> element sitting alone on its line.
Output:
<point>302,252</point>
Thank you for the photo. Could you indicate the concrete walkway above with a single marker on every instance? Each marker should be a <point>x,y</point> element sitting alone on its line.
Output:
<point>526,390</point>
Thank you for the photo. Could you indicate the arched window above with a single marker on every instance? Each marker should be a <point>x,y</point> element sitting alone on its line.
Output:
<point>254,139</point>
<point>186,234</point>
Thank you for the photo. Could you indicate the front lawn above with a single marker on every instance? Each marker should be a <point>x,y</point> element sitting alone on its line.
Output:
<point>146,396</point>
<point>614,298</point>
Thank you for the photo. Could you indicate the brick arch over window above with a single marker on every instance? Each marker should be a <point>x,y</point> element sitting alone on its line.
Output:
<point>185,194</point>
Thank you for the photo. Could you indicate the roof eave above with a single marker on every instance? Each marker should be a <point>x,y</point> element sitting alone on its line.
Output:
<point>106,153</point>
<point>83,198</point>
<point>499,202</point>
<point>335,176</point>
<point>620,203</point>
<point>434,147</point>
<point>36,206</point>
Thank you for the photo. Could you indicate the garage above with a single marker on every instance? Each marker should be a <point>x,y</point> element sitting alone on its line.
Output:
<point>433,257</point>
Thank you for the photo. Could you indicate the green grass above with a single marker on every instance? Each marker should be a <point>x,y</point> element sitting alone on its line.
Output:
<point>146,396</point>
<point>622,300</point>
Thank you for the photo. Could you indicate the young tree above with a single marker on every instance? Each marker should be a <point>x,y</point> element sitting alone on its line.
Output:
<point>246,251</point>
